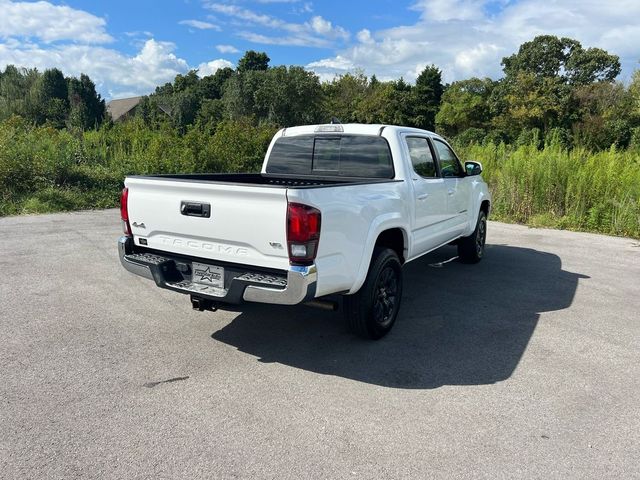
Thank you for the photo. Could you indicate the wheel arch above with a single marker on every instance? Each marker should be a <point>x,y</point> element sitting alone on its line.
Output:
<point>396,240</point>
<point>485,207</point>
<point>393,237</point>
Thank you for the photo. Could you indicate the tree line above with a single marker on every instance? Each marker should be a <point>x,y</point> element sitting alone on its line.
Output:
<point>50,98</point>
<point>553,89</point>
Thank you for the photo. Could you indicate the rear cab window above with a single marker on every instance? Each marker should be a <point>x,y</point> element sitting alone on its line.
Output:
<point>364,156</point>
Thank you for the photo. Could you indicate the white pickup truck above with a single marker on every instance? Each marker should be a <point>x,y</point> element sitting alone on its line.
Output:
<point>336,209</point>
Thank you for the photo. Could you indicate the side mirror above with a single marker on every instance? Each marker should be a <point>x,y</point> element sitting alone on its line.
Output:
<point>473,168</point>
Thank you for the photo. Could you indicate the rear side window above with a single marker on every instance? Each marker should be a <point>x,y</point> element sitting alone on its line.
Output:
<point>328,155</point>
<point>421,157</point>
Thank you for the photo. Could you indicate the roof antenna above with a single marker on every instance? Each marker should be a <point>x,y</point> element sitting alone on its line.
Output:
<point>334,121</point>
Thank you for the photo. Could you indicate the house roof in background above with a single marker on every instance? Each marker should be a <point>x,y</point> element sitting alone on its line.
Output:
<point>122,106</point>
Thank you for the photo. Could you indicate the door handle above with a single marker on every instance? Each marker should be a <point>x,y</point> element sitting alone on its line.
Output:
<point>451,192</point>
<point>195,209</point>
<point>423,196</point>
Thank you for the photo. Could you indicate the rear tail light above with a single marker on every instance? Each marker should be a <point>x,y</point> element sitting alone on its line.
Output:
<point>303,233</point>
<point>124,211</point>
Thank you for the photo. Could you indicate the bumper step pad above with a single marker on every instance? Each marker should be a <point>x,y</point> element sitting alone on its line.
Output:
<point>271,280</point>
<point>146,258</point>
<point>198,288</point>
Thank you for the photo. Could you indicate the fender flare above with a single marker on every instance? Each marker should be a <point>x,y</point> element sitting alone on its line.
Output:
<point>379,225</point>
<point>482,197</point>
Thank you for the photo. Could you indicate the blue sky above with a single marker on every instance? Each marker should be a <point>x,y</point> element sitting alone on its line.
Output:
<point>129,47</point>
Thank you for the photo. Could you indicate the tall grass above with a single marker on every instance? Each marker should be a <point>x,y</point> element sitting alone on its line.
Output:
<point>561,188</point>
<point>45,170</point>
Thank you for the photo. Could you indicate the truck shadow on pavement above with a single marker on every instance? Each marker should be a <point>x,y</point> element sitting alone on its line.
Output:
<point>458,324</point>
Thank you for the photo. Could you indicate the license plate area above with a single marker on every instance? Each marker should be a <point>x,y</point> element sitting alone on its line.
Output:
<point>207,274</point>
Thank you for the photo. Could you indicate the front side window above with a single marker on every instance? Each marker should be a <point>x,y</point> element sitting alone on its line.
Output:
<point>421,157</point>
<point>449,164</point>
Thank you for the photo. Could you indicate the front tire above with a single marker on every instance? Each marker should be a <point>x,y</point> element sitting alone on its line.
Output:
<point>372,311</point>
<point>471,248</point>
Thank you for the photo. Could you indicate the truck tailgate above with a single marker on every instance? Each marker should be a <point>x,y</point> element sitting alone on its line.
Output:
<point>246,223</point>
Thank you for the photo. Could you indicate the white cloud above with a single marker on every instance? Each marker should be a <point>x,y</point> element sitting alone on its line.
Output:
<point>51,23</point>
<point>466,38</point>
<point>227,49</point>
<point>443,10</point>
<point>139,33</point>
<point>364,36</point>
<point>209,68</point>
<point>470,62</point>
<point>337,63</point>
<point>246,14</point>
<point>307,7</point>
<point>325,28</point>
<point>200,25</point>
<point>287,41</point>
<point>318,32</point>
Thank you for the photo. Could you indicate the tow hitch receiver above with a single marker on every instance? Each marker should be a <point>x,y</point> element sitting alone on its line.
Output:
<point>202,304</point>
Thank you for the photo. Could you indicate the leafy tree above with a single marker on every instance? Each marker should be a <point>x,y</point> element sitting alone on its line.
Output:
<point>401,104</point>
<point>427,95</point>
<point>185,82</point>
<point>19,93</point>
<point>375,104</point>
<point>529,102</point>
<point>471,136</point>
<point>184,108</point>
<point>211,112</point>
<point>239,98</point>
<point>253,60</point>
<point>212,86</point>
<point>53,85</point>
<point>592,65</point>
<point>634,91</point>
<point>465,105</point>
<point>166,89</point>
<point>537,90</point>
<point>343,96</point>
<point>605,115</point>
<point>87,107</point>
<point>289,96</point>
<point>547,56</point>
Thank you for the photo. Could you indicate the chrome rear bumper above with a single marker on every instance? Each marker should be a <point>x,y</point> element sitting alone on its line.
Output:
<point>296,285</point>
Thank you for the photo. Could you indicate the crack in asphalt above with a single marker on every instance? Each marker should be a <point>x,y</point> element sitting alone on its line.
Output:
<point>169,380</point>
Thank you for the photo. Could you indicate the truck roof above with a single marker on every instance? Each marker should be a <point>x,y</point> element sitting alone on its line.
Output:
<point>353,128</point>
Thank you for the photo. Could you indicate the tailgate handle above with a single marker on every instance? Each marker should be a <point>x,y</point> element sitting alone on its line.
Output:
<point>195,209</point>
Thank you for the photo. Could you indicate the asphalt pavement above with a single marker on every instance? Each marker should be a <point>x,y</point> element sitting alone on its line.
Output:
<point>526,365</point>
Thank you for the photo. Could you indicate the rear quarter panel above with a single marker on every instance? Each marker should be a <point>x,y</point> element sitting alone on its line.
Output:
<point>352,219</point>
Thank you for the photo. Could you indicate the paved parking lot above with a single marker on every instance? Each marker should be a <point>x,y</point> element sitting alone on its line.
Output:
<point>526,365</point>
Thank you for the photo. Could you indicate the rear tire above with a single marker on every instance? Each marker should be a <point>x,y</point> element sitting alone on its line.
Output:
<point>471,248</point>
<point>372,311</point>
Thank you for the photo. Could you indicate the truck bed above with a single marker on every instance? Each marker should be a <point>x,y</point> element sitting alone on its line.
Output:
<point>266,180</point>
